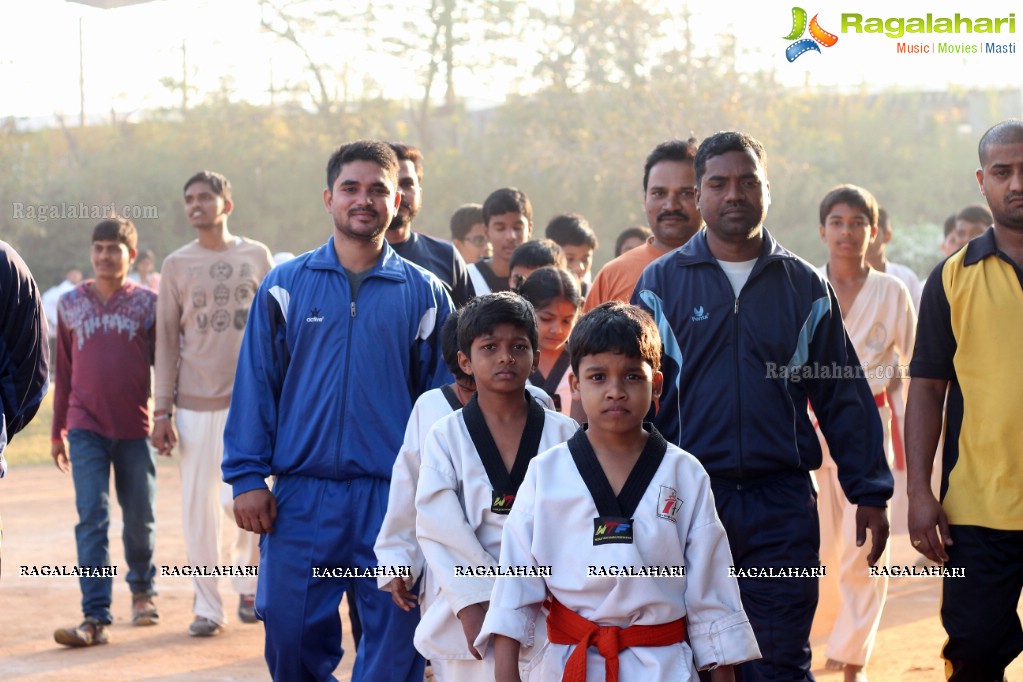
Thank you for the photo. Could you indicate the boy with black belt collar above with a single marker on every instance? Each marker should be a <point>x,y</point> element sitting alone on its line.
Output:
<point>627,523</point>
<point>473,462</point>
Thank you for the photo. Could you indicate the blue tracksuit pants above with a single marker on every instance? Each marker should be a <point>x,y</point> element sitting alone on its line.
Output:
<point>774,523</point>
<point>324,523</point>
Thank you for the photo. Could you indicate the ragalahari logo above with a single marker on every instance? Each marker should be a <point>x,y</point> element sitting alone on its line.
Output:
<point>817,35</point>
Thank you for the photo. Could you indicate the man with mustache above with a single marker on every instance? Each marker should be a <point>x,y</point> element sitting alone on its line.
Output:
<point>968,346</point>
<point>436,255</point>
<point>339,344</point>
<point>752,334</point>
<point>669,199</point>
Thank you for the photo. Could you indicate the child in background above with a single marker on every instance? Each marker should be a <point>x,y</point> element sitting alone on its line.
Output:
<point>556,298</point>
<point>879,318</point>
<point>630,238</point>
<point>614,500</point>
<point>507,223</point>
<point>573,234</point>
<point>472,464</point>
<point>532,256</point>
<point>468,233</point>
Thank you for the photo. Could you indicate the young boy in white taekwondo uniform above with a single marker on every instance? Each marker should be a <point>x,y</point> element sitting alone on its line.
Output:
<point>473,462</point>
<point>881,322</point>
<point>628,524</point>
<point>396,543</point>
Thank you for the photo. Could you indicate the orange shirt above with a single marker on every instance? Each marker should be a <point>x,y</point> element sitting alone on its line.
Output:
<point>618,278</point>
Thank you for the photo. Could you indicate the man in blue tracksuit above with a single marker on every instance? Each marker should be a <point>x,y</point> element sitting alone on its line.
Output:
<point>751,334</point>
<point>339,344</point>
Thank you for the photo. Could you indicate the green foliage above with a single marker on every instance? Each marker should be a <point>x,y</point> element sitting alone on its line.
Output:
<point>577,145</point>
<point>275,159</point>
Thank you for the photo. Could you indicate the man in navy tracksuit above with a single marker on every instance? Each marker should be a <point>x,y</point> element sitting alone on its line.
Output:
<point>24,352</point>
<point>751,334</point>
<point>339,344</point>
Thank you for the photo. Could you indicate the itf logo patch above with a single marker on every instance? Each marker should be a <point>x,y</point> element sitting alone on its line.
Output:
<point>818,35</point>
<point>668,504</point>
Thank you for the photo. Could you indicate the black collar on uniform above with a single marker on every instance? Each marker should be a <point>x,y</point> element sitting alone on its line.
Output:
<point>451,397</point>
<point>500,478</point>
<point>625,503</point>
<point>553,379</point>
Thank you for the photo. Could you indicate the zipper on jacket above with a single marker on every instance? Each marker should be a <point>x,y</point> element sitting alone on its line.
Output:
<point>344,393</point>
<point>738,382</point>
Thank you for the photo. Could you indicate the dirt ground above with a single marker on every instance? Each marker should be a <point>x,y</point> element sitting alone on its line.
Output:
<point>37,506</point>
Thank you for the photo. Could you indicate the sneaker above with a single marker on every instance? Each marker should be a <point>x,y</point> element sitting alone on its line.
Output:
<point>247,608</point>
<point>143,611</point>
<point>88,633</point>
<point>204,627</point>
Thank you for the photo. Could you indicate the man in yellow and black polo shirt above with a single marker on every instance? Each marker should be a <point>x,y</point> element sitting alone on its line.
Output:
<point>970,329</point>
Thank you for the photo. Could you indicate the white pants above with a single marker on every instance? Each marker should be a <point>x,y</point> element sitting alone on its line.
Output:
<point>848,591</point>
<point>463,670</point>
<point>204,500</point>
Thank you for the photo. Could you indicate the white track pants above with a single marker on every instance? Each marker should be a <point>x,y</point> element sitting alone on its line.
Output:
<point>204,500</point>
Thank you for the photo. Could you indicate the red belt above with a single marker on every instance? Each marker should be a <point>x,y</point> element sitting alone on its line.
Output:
<point>565,626</point>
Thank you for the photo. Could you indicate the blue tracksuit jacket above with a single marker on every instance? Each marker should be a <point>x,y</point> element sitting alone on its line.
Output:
<point>325,384</point>
<point>738,371</point>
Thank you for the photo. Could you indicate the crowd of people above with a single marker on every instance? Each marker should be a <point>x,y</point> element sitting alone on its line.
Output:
<point>396,418</point>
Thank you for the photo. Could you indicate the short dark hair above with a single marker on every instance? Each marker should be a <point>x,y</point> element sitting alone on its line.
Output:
<point>950,224</point>
<point>724,142</point>
<point>379,153</point>
<point>464,218</point>
<point>853,196</point>
<point>548,284</point>
<point>507,200</point>
<point>449,344</point>
<point>975,214</point>
<point>571,229</point>
<point>482,314</point>
<point>632,232</point>
<point>884,223</point>
<point>406,152</point>
<point>537,254</point>
<point>1009,131</point>
<point>116,228</point>
<point>220,185</point>
<point>672,150</point>
<point>616,327</point>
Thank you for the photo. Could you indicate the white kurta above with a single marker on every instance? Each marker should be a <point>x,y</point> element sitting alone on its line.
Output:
<point>396,544</point>
<point>551,524</point>
<point>881,324</point>
<point>456,528</point>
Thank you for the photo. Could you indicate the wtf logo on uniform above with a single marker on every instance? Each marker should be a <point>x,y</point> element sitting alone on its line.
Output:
<point>803,45</point>
<point>612,529</point>
<point>501,502</point>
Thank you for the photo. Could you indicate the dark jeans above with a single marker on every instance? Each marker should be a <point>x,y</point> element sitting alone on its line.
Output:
<point>92,456</point>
